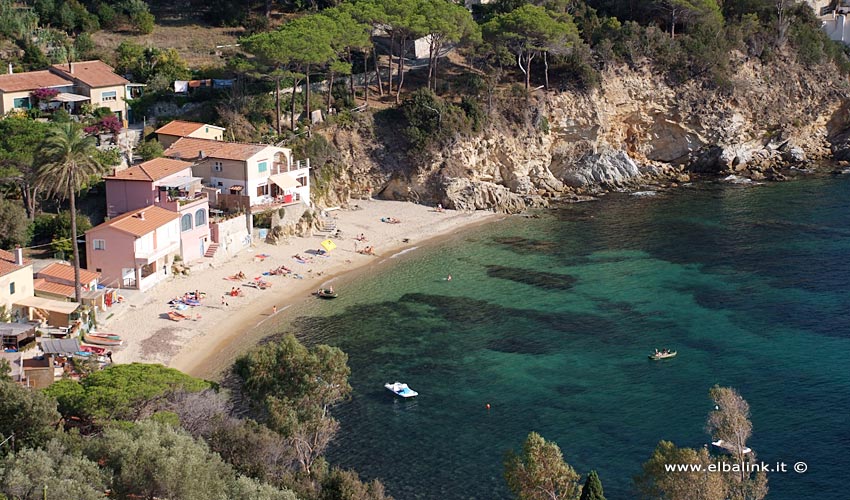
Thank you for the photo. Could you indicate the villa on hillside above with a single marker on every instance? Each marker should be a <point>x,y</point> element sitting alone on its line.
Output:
<point>168,184</point>
<point>241,175</point>
<point>170,132</point>
<point>74,84</point>
<point>135,249</point>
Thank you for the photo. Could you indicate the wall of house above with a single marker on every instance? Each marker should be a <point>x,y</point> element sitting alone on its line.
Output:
<point>208,132</point>
<point>119,105</point>
<point>167,140</point>
<point>194,242</point>
<point>22,278</point>
<point>232,173</point>
<point>124,196</point>
<point>231,234</point>
<point>7,100</point>
<point>119,254</point>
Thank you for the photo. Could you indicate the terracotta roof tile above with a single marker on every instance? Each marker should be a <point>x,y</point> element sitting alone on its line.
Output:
<point>42,285</point>
<point>132,223</point>
<point>190,148</point>
<point>65,272</point>
<point>152,170</point>
<point>7,263</point>
<point>179,128</point>
<point>92,73</point>
<point>31,80</point>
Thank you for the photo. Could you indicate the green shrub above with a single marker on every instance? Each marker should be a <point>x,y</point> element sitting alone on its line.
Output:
<point>149,150</point>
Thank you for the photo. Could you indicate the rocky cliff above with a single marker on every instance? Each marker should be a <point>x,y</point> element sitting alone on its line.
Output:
<point>636,129</point>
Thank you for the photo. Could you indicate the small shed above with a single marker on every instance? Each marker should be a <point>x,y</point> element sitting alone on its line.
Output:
<point>17,335</point>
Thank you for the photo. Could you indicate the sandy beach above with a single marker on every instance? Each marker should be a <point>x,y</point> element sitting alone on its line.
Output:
<point>192,344</point>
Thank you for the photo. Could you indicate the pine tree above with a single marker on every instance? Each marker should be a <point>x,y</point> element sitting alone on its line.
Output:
<point>592,489</point>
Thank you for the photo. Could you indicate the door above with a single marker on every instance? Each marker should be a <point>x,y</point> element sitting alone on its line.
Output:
<point>201,242</point>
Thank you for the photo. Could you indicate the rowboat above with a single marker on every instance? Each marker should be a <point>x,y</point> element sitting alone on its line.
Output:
<point>325,293</point>
<point>401,390</point>
<point>93,338</point>
<point>665,354</point>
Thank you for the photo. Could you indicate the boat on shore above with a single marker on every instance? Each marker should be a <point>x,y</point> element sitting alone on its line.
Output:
<point>401,390</point>
<point>326,293</point>
<point>729,447</point>
<point>102,339</point>
<point>663,354</point>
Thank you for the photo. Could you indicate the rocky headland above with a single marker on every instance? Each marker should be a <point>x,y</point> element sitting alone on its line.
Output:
<point>635,130</point>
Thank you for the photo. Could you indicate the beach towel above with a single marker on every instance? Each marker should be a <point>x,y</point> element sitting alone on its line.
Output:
<point>300,261</point>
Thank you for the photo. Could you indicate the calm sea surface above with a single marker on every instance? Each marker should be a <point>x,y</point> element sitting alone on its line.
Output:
<point>550,320</point>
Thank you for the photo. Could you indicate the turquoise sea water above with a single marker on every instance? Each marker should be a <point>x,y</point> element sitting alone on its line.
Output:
<point>550,320</point>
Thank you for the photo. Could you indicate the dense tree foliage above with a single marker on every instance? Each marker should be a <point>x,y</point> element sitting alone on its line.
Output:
<point>121,392</point>
<point>296,387</point>
<point>29,415</point>
<point>54,469</point>
<point>13,224</point>
<point>540,472</point>
<point>592,489</point>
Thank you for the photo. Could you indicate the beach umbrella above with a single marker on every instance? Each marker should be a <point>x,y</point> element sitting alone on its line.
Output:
<point>328,245</point>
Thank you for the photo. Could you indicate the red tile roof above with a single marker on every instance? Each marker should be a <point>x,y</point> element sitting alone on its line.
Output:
<point>31,80</point>
<point>190,148</point>
<point>42,285</point>
<point>152,170</point>
<point>7,263</point>
<point>133,223</point>
<point>65,272</point>
<point>92,73</point>
<point>179,128</point>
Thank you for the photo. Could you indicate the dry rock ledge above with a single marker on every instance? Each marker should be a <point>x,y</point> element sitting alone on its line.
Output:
<point>635,130</point>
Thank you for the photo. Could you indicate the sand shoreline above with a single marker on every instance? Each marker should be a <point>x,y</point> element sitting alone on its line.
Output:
<point>203,345</point>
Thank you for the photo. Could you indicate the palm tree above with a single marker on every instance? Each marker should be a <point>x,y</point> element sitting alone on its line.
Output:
<point>68,161</point>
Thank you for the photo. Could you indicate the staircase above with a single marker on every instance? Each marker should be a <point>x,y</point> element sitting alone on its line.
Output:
<point>211,250</point>
<point>327,224</point>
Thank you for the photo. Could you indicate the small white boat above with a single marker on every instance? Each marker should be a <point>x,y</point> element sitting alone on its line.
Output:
<point>729,447</point>
<point>401,390</point>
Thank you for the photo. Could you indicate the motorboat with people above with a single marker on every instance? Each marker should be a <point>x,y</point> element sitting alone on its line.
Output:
<point>401,390</point>
<point>327,293</point>
<point>730,448</point>
<point>662,354</point>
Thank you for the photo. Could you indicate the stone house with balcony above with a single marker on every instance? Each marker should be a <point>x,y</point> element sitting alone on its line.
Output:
<point>77,83</point>
<point>168,184</point>
<point>238,175</point>
<point>135,249</point>
<point>170,132</point>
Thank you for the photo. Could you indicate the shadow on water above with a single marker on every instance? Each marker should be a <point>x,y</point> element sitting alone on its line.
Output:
<point>539,279</point>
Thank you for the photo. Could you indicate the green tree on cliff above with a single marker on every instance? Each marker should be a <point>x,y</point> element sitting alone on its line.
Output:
<point>592,489</point>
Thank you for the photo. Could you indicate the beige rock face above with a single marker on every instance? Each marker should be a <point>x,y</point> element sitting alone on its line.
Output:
<point>635,129</point>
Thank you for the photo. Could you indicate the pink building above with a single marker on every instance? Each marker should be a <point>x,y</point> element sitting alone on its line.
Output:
<point>169,184</point>
<point>136,249</point>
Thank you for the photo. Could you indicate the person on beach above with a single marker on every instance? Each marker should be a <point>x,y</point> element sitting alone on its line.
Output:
<point>274,309</point>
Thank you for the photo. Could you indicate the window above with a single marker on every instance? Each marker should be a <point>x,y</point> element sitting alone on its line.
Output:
<point>109,96</point>
<point>302,180</point>
<point>200,217</point>
<point>99,244</point>
<point>207,130</point>
<point>263,190</point>
<point>21,103</point>
<point>98,269</point>
<point>12,288</point>
<point>217,166</point>
<point>263,166</point>
<point>186,222</point>
<point>220,183</point>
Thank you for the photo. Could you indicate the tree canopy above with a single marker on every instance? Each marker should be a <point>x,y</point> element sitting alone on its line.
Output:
<point>121,392</point>
<point>540,472</point>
